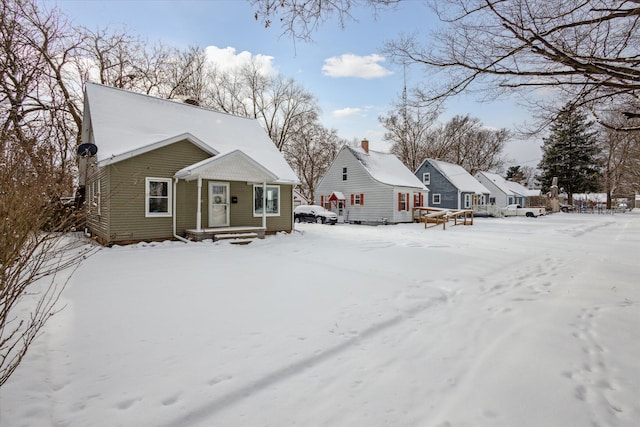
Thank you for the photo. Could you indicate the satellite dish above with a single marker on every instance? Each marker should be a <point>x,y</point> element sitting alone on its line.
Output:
<point>87,150</point>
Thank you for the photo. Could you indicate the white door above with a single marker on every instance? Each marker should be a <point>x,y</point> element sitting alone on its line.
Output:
<point>218,204</point>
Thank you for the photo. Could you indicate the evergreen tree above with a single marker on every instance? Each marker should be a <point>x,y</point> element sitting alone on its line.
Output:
<point>515,174</point>
<point>570,152</point>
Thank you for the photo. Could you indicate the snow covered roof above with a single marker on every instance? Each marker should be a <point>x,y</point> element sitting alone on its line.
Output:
<point>459,177</point>
<point>498,181</point>
<point>387,168</point>
<point>125,124</point>
<point>521,189</point>
<point>510,188</point>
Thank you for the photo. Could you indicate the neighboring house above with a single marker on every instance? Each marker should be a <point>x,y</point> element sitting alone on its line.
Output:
<point>505,192</point>
<point>501,192</point>
<point>370,187</point>
<point>524,196</point>
<point>164,167</point>
<point>298,198</point>
<point>451,186</point>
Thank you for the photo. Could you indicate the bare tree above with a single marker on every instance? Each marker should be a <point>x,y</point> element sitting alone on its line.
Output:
<point>311,155</point>
<point>585,50</point>
<point>32,250</point>
<point>407,128</point>
<point>621,158</point>
<point>301,18</point>
<point>463,140</point>
<point>38,130</point>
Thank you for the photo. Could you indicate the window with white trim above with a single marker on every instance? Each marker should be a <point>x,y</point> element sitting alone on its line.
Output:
<point>426,178</point>
<point>468,198</point>
<point>435,199</point>
<point>357,200</point>
<point>157,202</point>
<point>344,173</point>
<point>272,200</point>
<point>402,206</point>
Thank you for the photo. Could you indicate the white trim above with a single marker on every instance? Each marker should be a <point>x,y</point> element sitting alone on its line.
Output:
<point>433,199</point>
<point>199,206</point>
<point>154,146</point>
<point>426,178</point>
<point>468,201</point>
<point>148,214</point>
<point>264,213</point>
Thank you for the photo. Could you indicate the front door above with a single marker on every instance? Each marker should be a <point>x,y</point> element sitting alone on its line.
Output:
<point>218,204</point>
<point>340,211</point>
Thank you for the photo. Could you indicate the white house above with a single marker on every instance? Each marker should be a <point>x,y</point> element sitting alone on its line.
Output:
<point>370,187</point>
<point>503,191</point>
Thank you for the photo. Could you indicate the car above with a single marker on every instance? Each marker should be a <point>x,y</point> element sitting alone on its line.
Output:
<point>567,208</point>
<point>314,213</point>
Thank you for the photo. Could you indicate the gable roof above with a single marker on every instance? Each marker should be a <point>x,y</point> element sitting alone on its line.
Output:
<point>125,124</point>
<point>386,168</point>
<point>499,182</point>
<point>459,177</point>
<point>521,189</point>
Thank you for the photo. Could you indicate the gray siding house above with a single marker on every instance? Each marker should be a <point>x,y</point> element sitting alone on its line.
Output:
<point>451,186</point>
<point>370,187</point>
<point>155,169</point>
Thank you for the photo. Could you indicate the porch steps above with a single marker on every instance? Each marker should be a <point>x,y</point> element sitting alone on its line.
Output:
<point>235,235</point>
<point>236,238</point>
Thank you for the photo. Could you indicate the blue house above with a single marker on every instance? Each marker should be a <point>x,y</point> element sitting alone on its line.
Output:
<point>451,186</point>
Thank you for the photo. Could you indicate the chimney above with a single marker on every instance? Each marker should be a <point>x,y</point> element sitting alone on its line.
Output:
<point>365,145</point>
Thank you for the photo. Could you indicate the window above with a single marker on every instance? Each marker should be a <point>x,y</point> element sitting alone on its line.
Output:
<point>492,200</point>
<point>272,200</point>
<point>483,200</point>
<point>158,197</point>
<point>402,202</point>
<point>344,174</point>
<point>357,199</point>
<point>467,200</point>
<point>435,199</point>
<point>426,178</point>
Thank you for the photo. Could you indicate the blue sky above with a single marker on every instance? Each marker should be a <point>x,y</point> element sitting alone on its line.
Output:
<point>343,68</point>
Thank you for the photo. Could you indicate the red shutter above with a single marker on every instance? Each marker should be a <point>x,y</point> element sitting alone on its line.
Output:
<point>421,198</point>
<point>407,205</point>
<point>322,201</point>
<point>352,199</point>
<point>399,201</point>
<point>362,198</point>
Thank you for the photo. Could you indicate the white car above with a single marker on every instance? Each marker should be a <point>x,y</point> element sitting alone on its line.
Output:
<point>314,213</point>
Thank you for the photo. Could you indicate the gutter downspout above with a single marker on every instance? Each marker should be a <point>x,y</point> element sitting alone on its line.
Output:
<point>264,205</point>
<point>459,194</point>
<point>199,206</point>
<point>175,213</point>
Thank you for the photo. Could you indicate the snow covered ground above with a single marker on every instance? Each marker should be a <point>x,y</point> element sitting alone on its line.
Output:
<point>510,322</point>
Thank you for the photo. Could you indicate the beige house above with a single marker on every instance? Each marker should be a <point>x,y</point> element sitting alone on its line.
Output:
<point>156,169</point>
